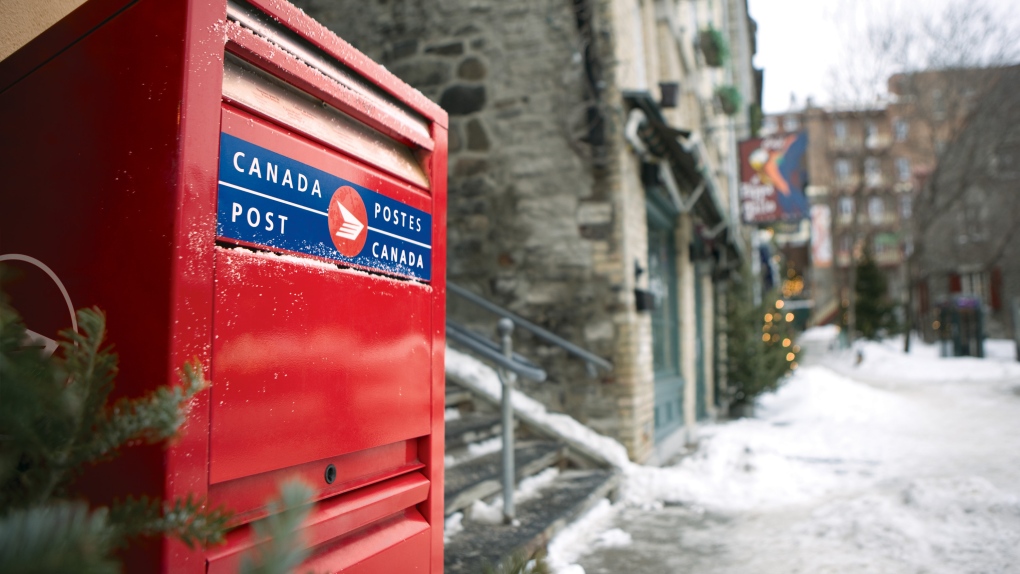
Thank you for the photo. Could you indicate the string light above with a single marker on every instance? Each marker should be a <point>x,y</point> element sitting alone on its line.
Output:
<point>789,317</point>
<point>790,357</point>
<point>765,337</point>
<point>786,342</point>
<point>779,304</point>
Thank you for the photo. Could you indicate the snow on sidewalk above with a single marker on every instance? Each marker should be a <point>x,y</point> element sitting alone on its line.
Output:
<point>885,361</point>
<point>837,475</point>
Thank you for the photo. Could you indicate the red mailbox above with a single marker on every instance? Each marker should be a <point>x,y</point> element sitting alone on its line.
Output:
<point>230,181</point>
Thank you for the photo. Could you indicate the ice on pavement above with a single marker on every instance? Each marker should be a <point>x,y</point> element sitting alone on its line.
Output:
<point>904,463</point>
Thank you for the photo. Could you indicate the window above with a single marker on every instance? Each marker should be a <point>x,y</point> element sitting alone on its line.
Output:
<point>842,170</point>
<point>871,135</point>
<point>839,131</point>
<point>872,171</point>
<point>880,248</point>
<point>770,125</point>
<point>976,284</point>
<point>846,245</point>
<point>876,210</point>
<point>791,124</point>
<point>1005,161</point>
<point>903,169</point>
<point>906,207</point>
<point>938,104</point>
<point>846,208</point>
<point>901,129</point>
<point>972,219</point>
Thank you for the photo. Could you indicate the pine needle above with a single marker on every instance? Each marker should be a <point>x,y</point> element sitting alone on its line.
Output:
<point>59,537</point>
<point>282,549</point>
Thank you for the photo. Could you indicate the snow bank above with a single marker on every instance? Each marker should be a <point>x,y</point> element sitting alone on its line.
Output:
<point>885,361</point>
<point>824,333</point>
<point>571,543</point>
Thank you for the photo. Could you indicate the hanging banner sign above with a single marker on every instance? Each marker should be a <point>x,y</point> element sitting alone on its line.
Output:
<point>772,178</point>
<point>269,200</point>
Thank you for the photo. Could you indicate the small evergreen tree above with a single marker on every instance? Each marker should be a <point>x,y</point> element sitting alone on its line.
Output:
<point>759,345</point>
<point>281,549</point>
<point>873,312</point>
<point>55,420</point>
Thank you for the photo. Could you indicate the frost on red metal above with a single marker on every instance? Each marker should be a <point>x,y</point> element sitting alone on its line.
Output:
<point>317,312</point>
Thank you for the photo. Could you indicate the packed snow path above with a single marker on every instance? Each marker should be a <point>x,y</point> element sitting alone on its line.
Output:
<point>901,464</point>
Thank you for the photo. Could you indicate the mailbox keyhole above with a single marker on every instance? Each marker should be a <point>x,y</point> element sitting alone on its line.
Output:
<point>330,474</point>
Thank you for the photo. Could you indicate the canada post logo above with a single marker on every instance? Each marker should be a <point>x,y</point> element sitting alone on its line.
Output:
<point>269,200</point>
<point>347,221</point>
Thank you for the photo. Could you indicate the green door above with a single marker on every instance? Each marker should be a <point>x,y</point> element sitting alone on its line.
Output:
<point>662,280</point>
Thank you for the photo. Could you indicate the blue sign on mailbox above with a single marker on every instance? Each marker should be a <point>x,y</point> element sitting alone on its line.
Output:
<point>270,200</point>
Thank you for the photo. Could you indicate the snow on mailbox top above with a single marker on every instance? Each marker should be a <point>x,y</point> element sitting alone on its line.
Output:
<point>269,200</point>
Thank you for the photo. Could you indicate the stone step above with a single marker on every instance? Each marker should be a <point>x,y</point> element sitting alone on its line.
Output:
<point>471,427</point>
<point>481,477</point>
<point>538,520</point>
<point>456,396</point>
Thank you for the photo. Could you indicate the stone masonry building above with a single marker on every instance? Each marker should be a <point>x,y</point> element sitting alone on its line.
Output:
<point>581,195</point>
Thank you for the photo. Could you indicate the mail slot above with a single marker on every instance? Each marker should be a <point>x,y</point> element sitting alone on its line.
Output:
<point>233,183</point>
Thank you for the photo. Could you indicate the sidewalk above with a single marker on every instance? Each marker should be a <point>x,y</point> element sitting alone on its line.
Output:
<point>917,469</point>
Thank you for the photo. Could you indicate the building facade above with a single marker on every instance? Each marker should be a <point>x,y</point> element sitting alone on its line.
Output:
<point>861,182</point>
<point>969,208</point>
<point>920,183</point>
<point>590,183</point>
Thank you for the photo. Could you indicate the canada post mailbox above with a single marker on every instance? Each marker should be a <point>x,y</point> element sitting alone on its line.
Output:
<point>231,182</point>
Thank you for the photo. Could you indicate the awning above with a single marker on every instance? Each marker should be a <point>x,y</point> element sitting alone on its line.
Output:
<point>686,175</point>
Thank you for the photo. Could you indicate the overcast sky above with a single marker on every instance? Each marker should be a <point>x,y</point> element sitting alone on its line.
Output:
<point>800,40</point>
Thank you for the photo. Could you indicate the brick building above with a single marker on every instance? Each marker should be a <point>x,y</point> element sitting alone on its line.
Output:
<point>861,176</point>
<point>911,182</point>
<point>582,196</point>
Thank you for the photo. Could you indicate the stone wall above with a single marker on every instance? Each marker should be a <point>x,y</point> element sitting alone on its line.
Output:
<point>23,20</point>
<point>536,217</point>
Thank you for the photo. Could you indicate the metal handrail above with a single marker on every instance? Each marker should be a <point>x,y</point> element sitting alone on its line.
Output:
<point>592,361</point>
<point>489,350</point>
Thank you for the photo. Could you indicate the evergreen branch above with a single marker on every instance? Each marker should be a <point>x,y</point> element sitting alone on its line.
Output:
<point>150,419</point>
<point>184,519</point>
<point>36,417</point>
<point>92,366</point>
<point>281,548</point>
<point>58,537</point>
<point>53,419</point>
<point>520,562</point>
